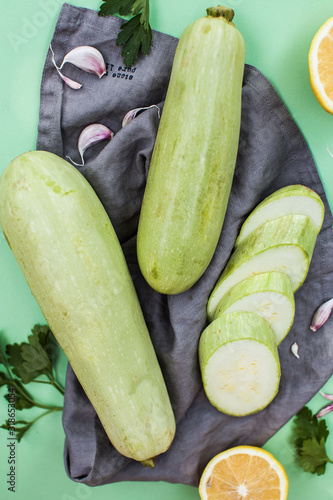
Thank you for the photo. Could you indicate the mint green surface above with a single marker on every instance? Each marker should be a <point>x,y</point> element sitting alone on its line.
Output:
<point>277,37</point>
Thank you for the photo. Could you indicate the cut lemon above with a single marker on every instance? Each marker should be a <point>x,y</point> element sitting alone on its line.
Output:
<point>321,65</point>
<point>244,472</point>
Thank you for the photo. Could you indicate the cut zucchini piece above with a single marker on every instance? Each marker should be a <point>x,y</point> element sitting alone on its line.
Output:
<point>269,295</point>
<point>239,363</point>
<point>285,244</point>
<point>290,200</point>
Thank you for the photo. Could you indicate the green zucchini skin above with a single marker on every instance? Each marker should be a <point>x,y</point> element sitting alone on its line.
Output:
<point>194,157</point>
<point>71,258</point>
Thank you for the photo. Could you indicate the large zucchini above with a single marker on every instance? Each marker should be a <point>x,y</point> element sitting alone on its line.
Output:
<point>69,253</point>
<point>194,156</point>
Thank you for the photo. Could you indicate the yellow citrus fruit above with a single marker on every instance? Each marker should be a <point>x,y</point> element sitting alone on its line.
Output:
<point>244,472</point>
<point>321,65</point>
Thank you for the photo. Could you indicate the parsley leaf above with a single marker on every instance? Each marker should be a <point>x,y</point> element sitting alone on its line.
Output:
<point>32,359</point>
<point>308,426</point>
<point>16,361</point>
<point>313,457</point>
<point>3,379</point>
<point>110,7</point>
<point>2,357</point>
<point>21,403</point>
<point>27,361</point>
<point>135,37</point>
<point>311,435</point>
<point>135,34</point>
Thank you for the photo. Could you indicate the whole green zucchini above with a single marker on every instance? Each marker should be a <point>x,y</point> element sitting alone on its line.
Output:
<point>194,156</point>
<point>70,256</point>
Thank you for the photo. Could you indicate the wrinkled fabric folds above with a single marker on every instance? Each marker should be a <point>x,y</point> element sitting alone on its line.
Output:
<point>272,154</point>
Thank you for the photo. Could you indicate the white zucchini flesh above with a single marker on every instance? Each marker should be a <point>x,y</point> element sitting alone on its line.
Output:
<point>294,199</point>
<point>239,363</point>
<point>71,258</point>
<point>285,244</point>
<point>269,295</point>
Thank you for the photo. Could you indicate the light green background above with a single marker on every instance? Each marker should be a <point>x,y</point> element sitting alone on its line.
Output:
<point>277,36</point>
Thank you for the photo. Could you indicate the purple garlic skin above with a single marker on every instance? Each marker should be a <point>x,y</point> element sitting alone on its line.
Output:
<point>84,57</point>
<point>321,315</point>
<point>92,134</point>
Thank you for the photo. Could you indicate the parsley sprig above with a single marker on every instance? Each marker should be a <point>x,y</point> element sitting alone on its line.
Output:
<point>310,442</point>
<point>25,363</point>
<point>135,34</point>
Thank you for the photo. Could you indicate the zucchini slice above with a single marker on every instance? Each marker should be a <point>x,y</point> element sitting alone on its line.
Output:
<point>294,199</point>
<point>239,363</point>
<point>269,295</point>
<point>284,244</point>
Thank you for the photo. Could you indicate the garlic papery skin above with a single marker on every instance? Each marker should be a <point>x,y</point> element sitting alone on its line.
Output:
<point>130,115</point>
<point>92,134</point>
<point>321,315</point>
<point>86,58</point>
<point>294,350</point>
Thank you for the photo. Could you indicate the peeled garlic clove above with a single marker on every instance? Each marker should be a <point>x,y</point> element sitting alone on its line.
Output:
<point>89,136</point>
<point>294,350</point>
<point>130,115</point>
<point>321,315</point>
<point>86,58</point>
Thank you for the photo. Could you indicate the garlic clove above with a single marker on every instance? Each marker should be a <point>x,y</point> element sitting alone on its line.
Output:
<point>130,115</point>
<point>86,58</point>
<point>71,83</point>
<point>92,134</point>
<point>294,349</point>
<point>321,315</point>
<point>327,396</point>
<point>325,410</point>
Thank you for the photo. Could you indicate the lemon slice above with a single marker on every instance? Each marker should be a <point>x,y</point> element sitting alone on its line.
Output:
<point>244,472</point>
<point>321,65</point>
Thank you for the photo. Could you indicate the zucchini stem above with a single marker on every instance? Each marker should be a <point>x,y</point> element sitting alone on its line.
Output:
<point>221,11</point>
<point>150,462</point>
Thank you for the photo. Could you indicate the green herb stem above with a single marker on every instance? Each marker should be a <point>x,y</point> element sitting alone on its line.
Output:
<point>51,410</point>
<point>54,383</point>
<point>28,398</point>
<point>4,361</point>
<point>22,429</point>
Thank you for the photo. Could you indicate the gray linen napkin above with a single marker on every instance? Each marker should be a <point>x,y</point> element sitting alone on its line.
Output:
<point>272,154</point>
